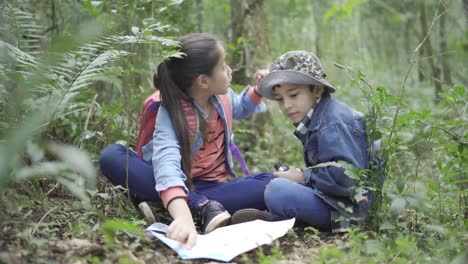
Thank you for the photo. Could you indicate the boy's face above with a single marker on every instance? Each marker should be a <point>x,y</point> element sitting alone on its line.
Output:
<point>296,100</point>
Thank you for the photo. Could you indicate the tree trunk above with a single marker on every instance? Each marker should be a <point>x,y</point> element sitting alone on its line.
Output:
<point>249,24</point>
<point>465,8</point>
<point>428,48</point>
<point>318,28</point>
<point>443,48</point>
<point>200,15</point>
<point>421,68</point>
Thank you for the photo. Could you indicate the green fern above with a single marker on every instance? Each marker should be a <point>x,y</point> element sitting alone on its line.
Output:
<point>24,27</point>
<point>79,70</point>
<point>48,90</point>
<point>3,91</point>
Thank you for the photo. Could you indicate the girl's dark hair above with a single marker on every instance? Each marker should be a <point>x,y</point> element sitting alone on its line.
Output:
<point>174,80</point>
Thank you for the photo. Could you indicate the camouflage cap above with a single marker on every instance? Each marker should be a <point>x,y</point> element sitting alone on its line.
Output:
<point>294,67</point>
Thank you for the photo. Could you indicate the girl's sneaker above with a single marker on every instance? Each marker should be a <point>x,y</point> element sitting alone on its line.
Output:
<point>213,215</point>
<point>146,211</point>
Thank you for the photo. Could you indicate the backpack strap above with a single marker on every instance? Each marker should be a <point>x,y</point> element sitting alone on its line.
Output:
<point>149,111</point>
<point>227,107</point>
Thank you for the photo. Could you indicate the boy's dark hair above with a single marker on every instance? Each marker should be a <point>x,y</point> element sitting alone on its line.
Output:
<point>311,88</point>
<point>174,79</point>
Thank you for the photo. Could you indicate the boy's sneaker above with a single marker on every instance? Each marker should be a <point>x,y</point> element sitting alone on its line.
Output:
<point>213,215</point>
<point>250,214</point>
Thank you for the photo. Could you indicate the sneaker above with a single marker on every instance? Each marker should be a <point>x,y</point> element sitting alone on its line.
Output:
<point>213,215</point>
<point>121,142</point>
<point>146,211</point>
<point>146,208</point>
<point>250,214</point>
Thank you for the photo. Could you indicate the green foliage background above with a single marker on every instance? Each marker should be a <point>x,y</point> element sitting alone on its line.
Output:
<point>73,75</point>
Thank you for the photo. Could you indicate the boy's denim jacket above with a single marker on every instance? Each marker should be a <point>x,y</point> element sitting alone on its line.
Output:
<point>335,133</point>
<point>164,151</point>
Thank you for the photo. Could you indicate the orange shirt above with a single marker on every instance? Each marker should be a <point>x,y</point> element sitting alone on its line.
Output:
<point>210,161</point>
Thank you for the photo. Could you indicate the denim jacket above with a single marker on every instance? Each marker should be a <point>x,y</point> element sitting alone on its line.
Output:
<point>164,149</point>
<point>335,133</point>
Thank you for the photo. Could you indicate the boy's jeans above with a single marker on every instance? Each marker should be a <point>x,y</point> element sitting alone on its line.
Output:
<point>286,199</point>
<point>246,192</point>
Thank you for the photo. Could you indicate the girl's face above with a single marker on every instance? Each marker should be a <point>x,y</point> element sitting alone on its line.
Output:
<point>220,78</point>
<point>296,100</point>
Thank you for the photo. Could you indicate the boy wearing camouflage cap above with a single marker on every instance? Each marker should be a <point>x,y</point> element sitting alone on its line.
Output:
<point>329,131</point>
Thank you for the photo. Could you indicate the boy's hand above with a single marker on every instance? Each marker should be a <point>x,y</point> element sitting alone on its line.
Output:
<point>293,174</point>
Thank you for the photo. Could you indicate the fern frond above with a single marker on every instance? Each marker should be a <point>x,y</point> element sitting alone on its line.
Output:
<point>26,29</point>
<point>20,57</point>
<point>158,27</point>
<point>3,90</point>
<point>88,72</point>
<point>73,169</point>
<point>81,69</point>
<point>13,61</point>
<point>143,39</point>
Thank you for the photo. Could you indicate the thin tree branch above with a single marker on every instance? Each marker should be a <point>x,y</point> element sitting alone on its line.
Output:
<point>455,137</point>
<point>412,62</point>
<point>88,117</point>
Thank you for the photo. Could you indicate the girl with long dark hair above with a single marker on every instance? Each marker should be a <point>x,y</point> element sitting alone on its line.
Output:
<point>187,164</point>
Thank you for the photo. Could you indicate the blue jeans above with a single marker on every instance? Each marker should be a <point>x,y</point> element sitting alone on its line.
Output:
<point>246,192</point>
<point>287,199</point>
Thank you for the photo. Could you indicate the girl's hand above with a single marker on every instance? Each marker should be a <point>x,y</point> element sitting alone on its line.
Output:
<point>182,228</point>
<point>259,74</point>
<point>293,174</point>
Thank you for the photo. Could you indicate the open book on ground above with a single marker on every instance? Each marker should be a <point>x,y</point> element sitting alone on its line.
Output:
<point>227,242</point>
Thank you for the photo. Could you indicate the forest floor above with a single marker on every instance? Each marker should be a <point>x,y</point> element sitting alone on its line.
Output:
<point>41,223</point>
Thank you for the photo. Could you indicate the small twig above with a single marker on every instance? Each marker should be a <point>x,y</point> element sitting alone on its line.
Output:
<point>455,137</point>
<point>61,116</point>
<point>52,189</point>
<point>91,107</point>
<point>394,257</point>
<point>437,55</point>
<point>88,117</point>
<point>49,29</point>
<point>42,219</point>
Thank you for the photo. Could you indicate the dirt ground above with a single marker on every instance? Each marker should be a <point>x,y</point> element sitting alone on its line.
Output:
<point>41,223</point>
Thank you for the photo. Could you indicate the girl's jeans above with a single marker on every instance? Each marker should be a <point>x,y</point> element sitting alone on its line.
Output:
<point>287,199</point>
<point>246,192</point>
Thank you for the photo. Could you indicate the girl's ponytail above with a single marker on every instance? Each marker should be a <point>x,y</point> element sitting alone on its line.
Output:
<point>171,97</point>
<point>201,52</point>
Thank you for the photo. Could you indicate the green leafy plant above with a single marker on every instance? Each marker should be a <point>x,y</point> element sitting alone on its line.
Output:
<point>111,227</point>
<point>42,90</point>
